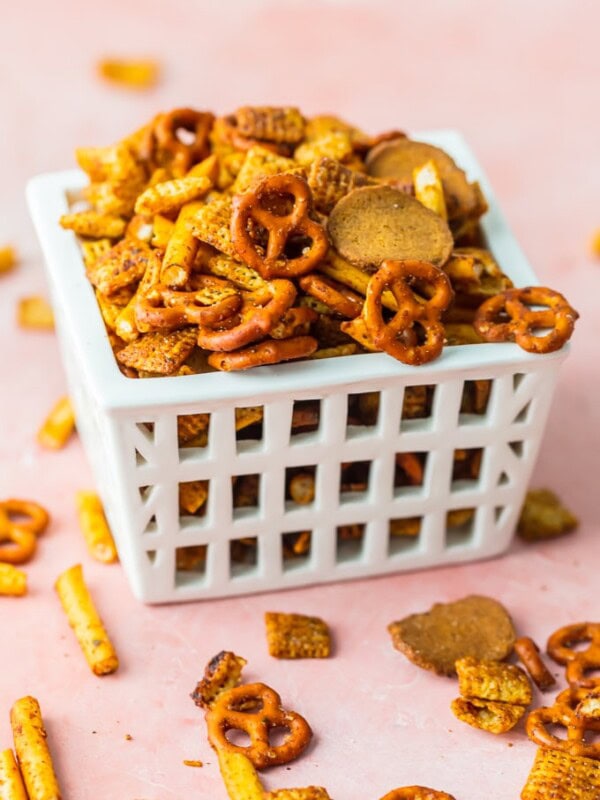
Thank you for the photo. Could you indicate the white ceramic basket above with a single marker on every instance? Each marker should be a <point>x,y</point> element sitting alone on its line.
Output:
<point>138,466</point>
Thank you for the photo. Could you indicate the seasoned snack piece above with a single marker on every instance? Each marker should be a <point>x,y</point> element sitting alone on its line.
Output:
<point>576,743</point>
<point>17,544</point>
<point>330,180</point>
<point>398,158</point>
<point>336,145</point>
<point>523,321</point>
<point>223,672</point>
<point>123,265</point>
<point>270,352</point>
<point>428,188</point>
<point>36,313</point>
<point>492,680</point>
<point>159,352</point>
<point>529,653</point>
<point>94,224</point>
<point>487,715</point>
<point>561,647</point>
<point>169,196</point>
<point>544,517</point>
<point>256,709</point>
<point>58,425</point>
<point>87,625</point>
<point>164,309</point>
<point>297,636</point>
<point>346,273</point>
<point>181,249</point>
<point>256,206</point>
<point>308,793</point>
<point>135,74</point>
<point>239,776</point>
<point>589,706</point>
<point>399,277</point>
<point>212,223</point>
<point>174,149</point>
<point>556,775</point>
<point>33,754</point>
<point>8,259</point>
<point>416,793</point>
<point>273,124</point>
<point>13,583</point>
<point>192,495</point>
<point>376,223</point>
<point>11,783</point>
<point>474,626</point>
<point>260,162</point>
<point>334,295</point>
<point>239,274</point>
<point>94,527</point>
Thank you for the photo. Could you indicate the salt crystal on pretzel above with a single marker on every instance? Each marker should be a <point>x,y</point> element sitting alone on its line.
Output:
<point>83,618</point>
<point>297,636</point>
<point>169,196</point>
<point>94,224</point>
<point>8,258</point>
<point>13,582</point>
<point>33,754</point>
<point>36,313</point>
<point>159,352</point>
<point>58,425</point>
<point>94,527</point>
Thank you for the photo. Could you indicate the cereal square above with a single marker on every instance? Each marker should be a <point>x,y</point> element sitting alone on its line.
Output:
<point>297,636</point>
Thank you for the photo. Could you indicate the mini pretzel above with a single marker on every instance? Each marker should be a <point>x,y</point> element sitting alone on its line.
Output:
<point>166,309</point>
<point>492,324</point>
<point>250,207</point>
<point>335,295</point>
<point>576,727</point>
<point>17,545</point>
<point>198,123</point>
<point>416,793</point>
<point>261,311</point>
<point>272,351</point>
<point>256,709</point>
<point>23,514</point>
<point>529,654</point>
<point>397,276</point>
<point>578,662</point>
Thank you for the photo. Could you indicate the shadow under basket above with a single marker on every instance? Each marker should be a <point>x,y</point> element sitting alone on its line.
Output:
<point>418,480</point>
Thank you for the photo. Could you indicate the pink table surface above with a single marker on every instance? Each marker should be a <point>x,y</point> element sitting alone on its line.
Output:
<point>521,81</point>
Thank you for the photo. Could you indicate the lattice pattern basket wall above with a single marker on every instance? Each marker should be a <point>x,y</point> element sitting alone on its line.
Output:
<point>130,432</point>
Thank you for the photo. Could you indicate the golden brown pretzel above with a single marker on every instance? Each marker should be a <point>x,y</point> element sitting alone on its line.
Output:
<point>416,793</point>
<point>578,662</point>
<point>165,131</point>
<point>271,351</point>
<point>23,514</point>
<point>335,295</point>
<point>529,654</point>
<point>162,308</point>
<point>17,545</point>
<point>272,262</point>
<point>256,709</point>
<point>508,316</point>
<point>398,276</point>
<point>261,311</point>
<point>576,727</point>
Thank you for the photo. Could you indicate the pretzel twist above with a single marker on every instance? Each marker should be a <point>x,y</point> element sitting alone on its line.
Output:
<point>256,709</point>
<point>260,312</point>
<point>398,276</point>
<point>576,728</point>
<point>162,308</point>
<point>23,514</point>
<point>508,317</point>
<point>249,207</point>
<point>578,662</point>
<point>197,123</point>
<point>271,351</point>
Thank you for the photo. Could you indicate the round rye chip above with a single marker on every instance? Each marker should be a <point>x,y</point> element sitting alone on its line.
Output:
<point>397,159</point>
<point>475,626</point>
<point>374,223</point>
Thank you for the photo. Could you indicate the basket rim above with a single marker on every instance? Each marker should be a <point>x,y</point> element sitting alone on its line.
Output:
<point>82,327</point>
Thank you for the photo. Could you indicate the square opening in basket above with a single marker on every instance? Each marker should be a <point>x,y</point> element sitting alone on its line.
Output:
<point>417,406</point>
<point>306,421</point>
<point>350,542</point>
<point>249,427</point>
<point>354,481</point>
<point>243,556</point>
<point>190,564</point>
<point>193,430</point>
<point>475,401</point>
<point>466,466</point>
<point>300,486</point>
<point>193,498</point>
<point>245,494</point>
<point>296,549</point>
<point>409,472</point>
<point>363,410</point>
<point>460,527</point>
<point>404,534</point>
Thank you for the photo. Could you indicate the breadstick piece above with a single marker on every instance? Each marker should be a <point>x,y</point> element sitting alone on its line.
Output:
<point>85,621</point>
<point>94,527</point>
<point>11,783</point>
<point>13,582</point>
<point>32,751</point>
<point>58,425</point>
<point>529,653</point>
<point>239,776</point>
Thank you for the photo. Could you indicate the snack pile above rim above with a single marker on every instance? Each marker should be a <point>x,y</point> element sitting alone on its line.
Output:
<point>223,243</point>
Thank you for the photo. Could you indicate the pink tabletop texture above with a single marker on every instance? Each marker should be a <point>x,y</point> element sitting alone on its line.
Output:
<point>520,80</point>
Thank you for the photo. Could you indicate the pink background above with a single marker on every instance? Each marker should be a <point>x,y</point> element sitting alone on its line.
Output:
<point>520,79</point>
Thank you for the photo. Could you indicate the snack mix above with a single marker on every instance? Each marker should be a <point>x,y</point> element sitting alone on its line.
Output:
<point>263,236</point>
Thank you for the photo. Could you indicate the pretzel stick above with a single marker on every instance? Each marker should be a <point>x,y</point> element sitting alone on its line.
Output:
<point>346,273</point>
<point>58,425</point>
<point>85,621</point>
<point>94,527</point>
<point>239,776</point>
<point>11,783</point>
<point>32,751</point>
<point>13,582</point>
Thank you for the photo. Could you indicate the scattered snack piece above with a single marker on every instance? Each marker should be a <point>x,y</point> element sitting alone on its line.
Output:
<point>94,527</point>
<point>13,582</point>
<point>17,544</point>
<point>131,73</point>
<point>239,776</point>
<point>8,259</point>
<point>11,783</point>
<point>157,352</point>
<point>31,747</point>
<point>256,710</point>
<point>58,425</point>
<point>24,514</point>
<point>35,313</point>
<point>223,672</point>
<point>416,793</point>
<point>556,775</point>
<point>170,196</point>
<point>542,724</point>
<point>589,706</point>
<point>297,636</point>
<point>475,626</point>
<point>85,621</point>
<point>563,647</point>
<point>544,517</point>
<point>595,244</point>
<point>493,680</point>
<point>308,793</point>
<point>487,715</point>
<point>529,654</point>
<point>190,762</point>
